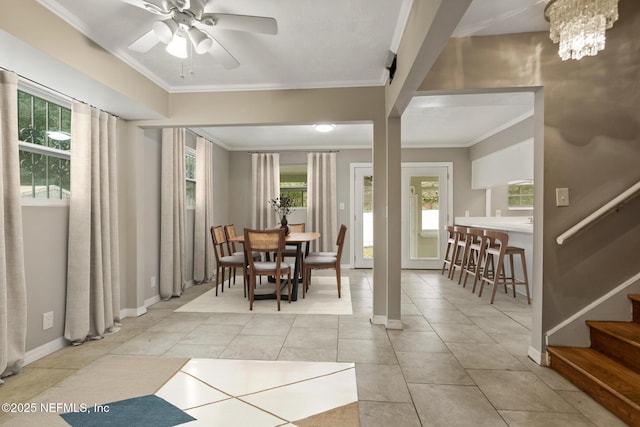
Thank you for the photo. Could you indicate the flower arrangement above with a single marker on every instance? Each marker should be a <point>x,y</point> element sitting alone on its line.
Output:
<point>281,205</point>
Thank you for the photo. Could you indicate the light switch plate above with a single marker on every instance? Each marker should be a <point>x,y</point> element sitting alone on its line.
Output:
<point>562,197</point>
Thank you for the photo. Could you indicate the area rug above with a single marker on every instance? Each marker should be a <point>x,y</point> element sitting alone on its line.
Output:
<point>144,411</point>
<point>322,298</point>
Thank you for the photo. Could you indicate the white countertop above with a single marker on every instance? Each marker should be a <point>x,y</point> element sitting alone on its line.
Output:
<point>509,224</point>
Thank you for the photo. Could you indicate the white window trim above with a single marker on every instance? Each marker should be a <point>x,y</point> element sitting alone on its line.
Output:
<point>190,151</point>
<point>54,98</point>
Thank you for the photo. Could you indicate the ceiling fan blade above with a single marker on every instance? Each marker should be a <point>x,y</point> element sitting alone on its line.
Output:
<point>222,55</point>
<point>159,7</point>
<point>252,24</point>
<point>145,42</point>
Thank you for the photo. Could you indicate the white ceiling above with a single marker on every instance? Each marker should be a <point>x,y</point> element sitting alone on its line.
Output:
<point>328,43</point>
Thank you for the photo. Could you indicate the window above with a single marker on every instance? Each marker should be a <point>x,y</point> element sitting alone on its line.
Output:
<point>293,184</point>
<point>521,196</point>
<point>44,133</point>
<point>190,176</point>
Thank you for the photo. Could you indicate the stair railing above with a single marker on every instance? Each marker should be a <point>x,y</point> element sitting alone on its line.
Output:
<point>611,205</point>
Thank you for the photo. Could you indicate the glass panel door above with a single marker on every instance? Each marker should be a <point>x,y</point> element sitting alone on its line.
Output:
<point>424,215</point>
<point>363,234</point>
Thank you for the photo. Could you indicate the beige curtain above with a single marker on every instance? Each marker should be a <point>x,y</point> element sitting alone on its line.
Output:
<point>172,215</point>
<point>13,293</point>
<point>93,271</point>
<point>265,181</point>
<point>322,212</point>
<point>202,247</point>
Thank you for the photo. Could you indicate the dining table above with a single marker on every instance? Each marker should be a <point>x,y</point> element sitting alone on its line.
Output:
<point>293,239</point>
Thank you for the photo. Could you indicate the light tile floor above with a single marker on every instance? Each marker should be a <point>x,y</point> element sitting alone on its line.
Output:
<point>459,361</point>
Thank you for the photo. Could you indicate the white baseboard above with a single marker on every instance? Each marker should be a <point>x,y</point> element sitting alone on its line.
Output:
<point>132,312</point>
<point>45,350</point>
<point>154,299</point>
<point>538,357</point>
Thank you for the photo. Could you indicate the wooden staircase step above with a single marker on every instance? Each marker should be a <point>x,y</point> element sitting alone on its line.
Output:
<point>618,340</point>
<point>635,301</point>
<point>613,385</point>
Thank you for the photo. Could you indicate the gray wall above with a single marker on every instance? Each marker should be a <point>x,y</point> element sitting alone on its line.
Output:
<point>46,232</point>
<point>151,210</point>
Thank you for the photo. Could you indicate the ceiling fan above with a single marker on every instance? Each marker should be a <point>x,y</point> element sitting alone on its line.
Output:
<point>186,20</point>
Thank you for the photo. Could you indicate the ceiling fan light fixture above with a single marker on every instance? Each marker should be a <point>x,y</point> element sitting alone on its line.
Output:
<point>324,127</point>
<point>178,47</point>
<point>165,30</point>
<point>201,42</point>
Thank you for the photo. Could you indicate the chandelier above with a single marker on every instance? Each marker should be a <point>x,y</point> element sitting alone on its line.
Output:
<point>579,25</point>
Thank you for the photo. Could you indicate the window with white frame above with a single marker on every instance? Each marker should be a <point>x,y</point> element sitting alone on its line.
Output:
<point>44,133</point>
<point>190,176</point>
<point>520,196</point>
<point>293,184</point>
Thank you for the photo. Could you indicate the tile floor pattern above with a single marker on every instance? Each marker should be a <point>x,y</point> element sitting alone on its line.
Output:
<point>259,393</point>
<point>458,361</point>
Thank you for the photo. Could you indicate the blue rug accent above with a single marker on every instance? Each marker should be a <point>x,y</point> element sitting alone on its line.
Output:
<point>141,411</point>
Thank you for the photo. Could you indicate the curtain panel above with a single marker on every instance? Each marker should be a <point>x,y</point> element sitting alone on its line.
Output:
<point>13,291</point>
<point>322,211</point>
<point>93,271</point>
<point>203,248</point>
<point>173,257</point>
<point>265,182</point>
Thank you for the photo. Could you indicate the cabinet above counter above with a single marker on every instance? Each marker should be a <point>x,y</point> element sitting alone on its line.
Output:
<point>519,224</point>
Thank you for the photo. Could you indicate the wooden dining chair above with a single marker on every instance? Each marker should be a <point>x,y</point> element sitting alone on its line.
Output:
<point>230,234</point>
<point>224,260</point>
<point>324,262</point>
<point>267,241</point>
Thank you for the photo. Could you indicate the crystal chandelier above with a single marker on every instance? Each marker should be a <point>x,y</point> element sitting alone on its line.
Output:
<point>579,25</point>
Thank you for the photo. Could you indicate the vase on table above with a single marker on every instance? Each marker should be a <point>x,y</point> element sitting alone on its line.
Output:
<point>284,224</point>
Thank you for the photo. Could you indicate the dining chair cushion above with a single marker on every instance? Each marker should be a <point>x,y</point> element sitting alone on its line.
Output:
<point>320,260</point>
<point>314,254</point>
<point>233,258</point>
<point>270,266</point>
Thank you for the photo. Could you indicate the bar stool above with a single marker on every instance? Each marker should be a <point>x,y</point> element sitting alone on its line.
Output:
<point>497,243</point>
<point>511,251</point>
<point>460,251</point>
<point>475,258</point>
<point>451,243</point>
<point>498,246</point>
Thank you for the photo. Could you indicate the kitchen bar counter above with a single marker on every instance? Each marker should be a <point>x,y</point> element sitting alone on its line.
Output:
<point>520,224</point>
<point>520,231</point>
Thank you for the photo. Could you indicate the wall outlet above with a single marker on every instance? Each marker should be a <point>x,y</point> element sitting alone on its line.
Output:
<point>498,212</point>
<point>154,283</point>
<point>466,213</point>
<point>47,320</point>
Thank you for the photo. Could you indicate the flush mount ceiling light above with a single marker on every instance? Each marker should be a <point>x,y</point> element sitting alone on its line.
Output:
<point>579,25</point>
<point>324,127</point>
